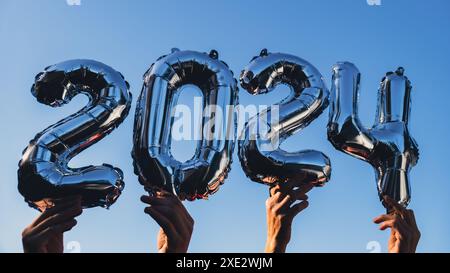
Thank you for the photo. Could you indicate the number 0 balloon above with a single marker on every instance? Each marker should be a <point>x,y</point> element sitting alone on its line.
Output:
<point>153,162</point>
<point>43,171</point>
<point>388,145</point>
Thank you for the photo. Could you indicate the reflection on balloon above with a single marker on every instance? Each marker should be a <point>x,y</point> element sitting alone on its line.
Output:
<point>261,158</point>
<point>388,145</point>
<point>43,172</point>
<point>207,169</point>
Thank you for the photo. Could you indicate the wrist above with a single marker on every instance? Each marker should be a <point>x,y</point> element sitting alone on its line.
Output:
<point>176,249</point>
<point>275,246</point>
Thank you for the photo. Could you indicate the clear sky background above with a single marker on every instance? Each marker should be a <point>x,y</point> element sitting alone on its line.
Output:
<point>130,35</point>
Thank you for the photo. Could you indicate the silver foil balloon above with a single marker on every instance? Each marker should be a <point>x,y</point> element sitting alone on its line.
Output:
<point>388,145</point>
<point>43,170</point>
<point>262,160</point>
<point>153,163</point>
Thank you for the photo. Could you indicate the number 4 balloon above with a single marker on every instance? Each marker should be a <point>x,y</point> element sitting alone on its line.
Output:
<point>387,146</point>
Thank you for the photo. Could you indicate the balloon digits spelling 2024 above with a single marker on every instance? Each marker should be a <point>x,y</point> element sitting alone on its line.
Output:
<point>153,162</point>
<point>387,146</point>
<point>43,171</point>
<point>308,99</point>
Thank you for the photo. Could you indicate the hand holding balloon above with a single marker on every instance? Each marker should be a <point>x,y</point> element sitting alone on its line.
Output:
<point>45,234</point>
<point>281,208</point>
<point>176,223</point>
<point>405,234</point>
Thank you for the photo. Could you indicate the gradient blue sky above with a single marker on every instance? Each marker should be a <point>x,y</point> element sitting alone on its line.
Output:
<point>130,35</point>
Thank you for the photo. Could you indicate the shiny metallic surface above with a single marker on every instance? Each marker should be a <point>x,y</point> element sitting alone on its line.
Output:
<point>154,164</point>
<point>308,99</point>
<point>43,170</point>
<point>388,145</point>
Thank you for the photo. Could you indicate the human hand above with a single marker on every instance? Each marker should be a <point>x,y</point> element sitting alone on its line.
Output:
<point>405,234</point>
<point>280,213</point>
<point>45,234</point>
<point>175,222</point>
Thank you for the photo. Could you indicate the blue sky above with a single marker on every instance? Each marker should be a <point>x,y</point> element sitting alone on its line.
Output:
<point>130,35</point>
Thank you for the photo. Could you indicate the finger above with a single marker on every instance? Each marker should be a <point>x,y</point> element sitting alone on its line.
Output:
<point>403,228</point>
<point>386,224</point>
<point>148,198</point>
<point>174,200</point>
<point>58,218</point>
<point>171,201</point>
<point>394,205</point>
<point>173,207</point>
<point>66,226</point>
<point>162,221</point>
<point>175,214</point>
<point>58,205</point>
<point>289,185</point>
<point>68,199</point>
<point>305,187</point>
<point>156,200</point>
<point>297,208</point>
<point>186,212</point>
<point>397,224</point>
<point>283,187</point>
<point>276,197</point>
<point>50,232</point>
<point>401,231</point>
<point>414,223</point>
<point>274,189</point>
<point>411,218</point>
<point>382,218</point>
<point>166,194</point>
<point>299,195</point>
<point>285,203</point>
<point>61,205</point>
<point>56,229</point>
<point>392,221</point>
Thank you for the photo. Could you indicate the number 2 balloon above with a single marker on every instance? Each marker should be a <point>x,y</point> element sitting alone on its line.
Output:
<point>308,99</point>
<point>153,163</point>
<point>387,146</point>
<point>43,172</point>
